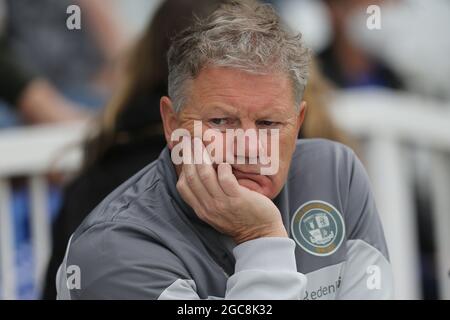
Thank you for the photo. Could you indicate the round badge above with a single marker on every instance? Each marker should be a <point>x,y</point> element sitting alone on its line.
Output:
<point>318,228</point>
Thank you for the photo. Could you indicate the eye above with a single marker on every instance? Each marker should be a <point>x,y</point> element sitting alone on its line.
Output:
<point>267,123</point>
<point>218,121</point>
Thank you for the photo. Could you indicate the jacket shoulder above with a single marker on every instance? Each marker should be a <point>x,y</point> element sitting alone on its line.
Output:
<point>315,154</point>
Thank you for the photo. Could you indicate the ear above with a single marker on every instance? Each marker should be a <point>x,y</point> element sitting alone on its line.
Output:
<point>301,115</point>
<point>169,119</point>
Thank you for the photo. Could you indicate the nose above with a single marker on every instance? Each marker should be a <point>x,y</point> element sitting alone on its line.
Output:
<point>247,144</point>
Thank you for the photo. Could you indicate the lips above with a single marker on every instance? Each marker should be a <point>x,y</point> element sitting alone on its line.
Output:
<point>254,170</point>
<point>254,176</point>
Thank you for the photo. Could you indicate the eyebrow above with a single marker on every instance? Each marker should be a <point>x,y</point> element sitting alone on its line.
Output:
<point>274,112</point>
<point>225,109</point>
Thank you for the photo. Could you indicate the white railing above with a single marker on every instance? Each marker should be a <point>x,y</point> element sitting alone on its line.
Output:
<point>392,124</point>
<point>32,152</point>
<point>388,123</point>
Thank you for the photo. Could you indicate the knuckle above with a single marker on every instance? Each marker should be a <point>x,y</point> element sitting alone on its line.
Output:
<point>207,207</point>
<point>181,185</point>
<point>190,178</point>
<point>201,214</point>
<point>220,205</point>
<point>204,176</point>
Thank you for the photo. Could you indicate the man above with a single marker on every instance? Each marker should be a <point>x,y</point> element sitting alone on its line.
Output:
<point>263,217</point>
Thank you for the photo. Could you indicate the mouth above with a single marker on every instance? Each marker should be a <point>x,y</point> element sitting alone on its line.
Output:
<point>253,175</point>
<point>253,181</point>
<point>250,170</point>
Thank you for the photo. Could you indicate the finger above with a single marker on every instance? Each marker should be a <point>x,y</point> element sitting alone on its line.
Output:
<point>186,193</point>
<point>193,180</point>
<point>227,180</point>
<point>206,172</point>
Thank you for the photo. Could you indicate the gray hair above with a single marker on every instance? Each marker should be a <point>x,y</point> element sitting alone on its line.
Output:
<point>243,34</point>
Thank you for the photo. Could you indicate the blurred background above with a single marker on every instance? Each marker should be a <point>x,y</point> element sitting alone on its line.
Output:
<point>79,114</point>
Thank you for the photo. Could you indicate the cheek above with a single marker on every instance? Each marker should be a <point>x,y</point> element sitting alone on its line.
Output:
<point>287,143</point>
<point>286,149</point>
<point>272,185</point>
<point>277,181</point>
<point>264,186</point>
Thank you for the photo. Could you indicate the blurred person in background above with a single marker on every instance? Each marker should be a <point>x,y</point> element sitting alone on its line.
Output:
<point>410,51</point>
<point>318,122</point>
<point>33,96</point>
<point>343,61</point>
<point>130,134</point>
<point>412,41</point>
<point>45,68</point>
<point>81,63</point>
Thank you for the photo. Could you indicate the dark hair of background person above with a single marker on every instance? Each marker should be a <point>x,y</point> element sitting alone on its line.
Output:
<point>345,63</point>
<point>318,122</point>
<point>129,115</point>
<point>127,137</point>
<point>129,134</point>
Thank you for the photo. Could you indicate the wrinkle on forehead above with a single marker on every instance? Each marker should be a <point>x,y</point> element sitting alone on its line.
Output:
<point>243,91</point>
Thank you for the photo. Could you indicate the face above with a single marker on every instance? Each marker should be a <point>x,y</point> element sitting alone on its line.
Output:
<point>225,98</point>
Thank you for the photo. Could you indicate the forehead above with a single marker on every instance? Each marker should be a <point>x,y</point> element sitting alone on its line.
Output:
<point>241,89</point>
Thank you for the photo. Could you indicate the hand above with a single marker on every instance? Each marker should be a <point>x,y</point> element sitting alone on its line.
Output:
<point>230,208</point>
<point>39,102</point>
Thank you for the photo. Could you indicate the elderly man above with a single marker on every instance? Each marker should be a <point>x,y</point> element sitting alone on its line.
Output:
<point>221,227</point>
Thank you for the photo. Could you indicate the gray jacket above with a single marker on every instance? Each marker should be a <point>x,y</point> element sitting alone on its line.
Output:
<point>144,242</point>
